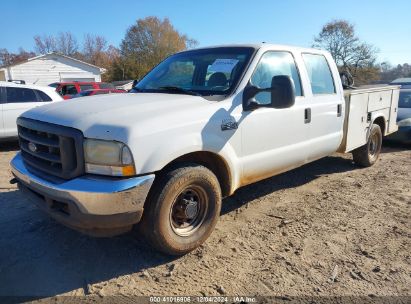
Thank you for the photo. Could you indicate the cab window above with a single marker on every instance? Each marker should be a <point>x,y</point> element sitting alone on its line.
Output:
<point>274,63</point>
<point>319,73</point>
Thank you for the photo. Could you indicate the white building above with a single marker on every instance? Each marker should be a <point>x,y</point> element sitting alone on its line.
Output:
<point>49,68</point>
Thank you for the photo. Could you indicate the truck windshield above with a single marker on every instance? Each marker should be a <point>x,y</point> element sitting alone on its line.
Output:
<point>205,72</point>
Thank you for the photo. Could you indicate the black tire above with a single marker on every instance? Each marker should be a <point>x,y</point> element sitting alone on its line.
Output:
<point>182,209</point>
<point>368,154</point>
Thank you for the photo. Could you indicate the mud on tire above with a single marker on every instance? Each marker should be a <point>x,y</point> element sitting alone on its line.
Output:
<point>368,154</point>
<point>182,209</point>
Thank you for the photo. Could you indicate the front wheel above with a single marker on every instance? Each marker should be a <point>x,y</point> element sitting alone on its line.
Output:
<point>182,209</point>
<point>368,154</point>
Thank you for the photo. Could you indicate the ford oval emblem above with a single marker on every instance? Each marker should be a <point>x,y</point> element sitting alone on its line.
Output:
<point>32,147</point>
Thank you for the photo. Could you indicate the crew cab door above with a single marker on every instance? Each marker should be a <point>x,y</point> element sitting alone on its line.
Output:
<point>19,100</point>
<point>326,105</point>
<point>274,140</point>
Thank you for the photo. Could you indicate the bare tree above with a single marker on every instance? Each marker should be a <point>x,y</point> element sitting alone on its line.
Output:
<point>349,52</point>
<point>94,50</point>
<point>148,42</point>
<point>145,44</point>
<point>112,62</point>
<point>44,44</point>
<point>94,47</point>
<point>7,58</point>
<point>66,43</point>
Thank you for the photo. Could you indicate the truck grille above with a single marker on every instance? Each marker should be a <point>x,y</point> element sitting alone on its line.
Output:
<point>50,148</point>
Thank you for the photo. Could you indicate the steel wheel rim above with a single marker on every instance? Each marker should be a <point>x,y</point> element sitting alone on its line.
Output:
<point>373,145</point>
<point>188,211</point>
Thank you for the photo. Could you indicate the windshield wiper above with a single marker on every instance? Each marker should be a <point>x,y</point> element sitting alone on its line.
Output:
<point>135,90</point>
<point>179,90</point>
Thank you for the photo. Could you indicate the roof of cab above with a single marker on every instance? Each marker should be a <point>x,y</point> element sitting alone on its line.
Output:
<point>264,45</point>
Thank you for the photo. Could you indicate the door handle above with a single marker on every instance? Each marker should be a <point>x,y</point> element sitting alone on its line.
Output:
<point>339,110</point>
<point>307,115</point>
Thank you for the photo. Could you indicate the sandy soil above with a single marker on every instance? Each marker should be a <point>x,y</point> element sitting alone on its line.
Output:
<point>328,228</point>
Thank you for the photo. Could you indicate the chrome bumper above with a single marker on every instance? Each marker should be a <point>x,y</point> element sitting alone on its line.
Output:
<point>88,198</point>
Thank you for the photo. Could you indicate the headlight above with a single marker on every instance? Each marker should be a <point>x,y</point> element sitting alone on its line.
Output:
<point>108,158</point>
<point>404,122</point>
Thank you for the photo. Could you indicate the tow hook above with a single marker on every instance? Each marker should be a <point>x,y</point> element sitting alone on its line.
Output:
<point>14,181</point>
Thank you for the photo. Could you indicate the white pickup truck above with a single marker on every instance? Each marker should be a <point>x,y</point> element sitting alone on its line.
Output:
<point>200,125</point>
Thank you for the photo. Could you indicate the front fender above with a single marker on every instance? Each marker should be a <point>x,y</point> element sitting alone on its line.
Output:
<point>167,151</point>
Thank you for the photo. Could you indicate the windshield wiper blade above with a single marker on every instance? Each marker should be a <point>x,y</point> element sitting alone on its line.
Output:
<point>135,90</point>
<point>179,90</point>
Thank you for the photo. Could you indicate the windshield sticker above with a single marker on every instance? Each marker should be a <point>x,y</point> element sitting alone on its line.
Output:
<point>223,65</point>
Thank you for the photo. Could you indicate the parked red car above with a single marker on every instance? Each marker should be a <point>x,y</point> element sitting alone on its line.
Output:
<point>98,92</point>
<point>68,89</point>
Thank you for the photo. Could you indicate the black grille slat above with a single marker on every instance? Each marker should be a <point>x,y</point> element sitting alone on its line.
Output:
<point>45,156</point>
<point>23,133</point>
<point>52,149</point>
<point>38,164</point>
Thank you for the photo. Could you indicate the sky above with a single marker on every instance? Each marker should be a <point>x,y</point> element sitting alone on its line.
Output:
<point>385,24</point>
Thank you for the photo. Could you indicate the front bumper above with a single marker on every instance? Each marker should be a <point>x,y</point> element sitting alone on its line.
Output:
<point>96,205</point>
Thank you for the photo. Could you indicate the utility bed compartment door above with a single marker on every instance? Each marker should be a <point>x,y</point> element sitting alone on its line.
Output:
<point>392,124</point>
<point>357,121</point>
<point>379,100</point>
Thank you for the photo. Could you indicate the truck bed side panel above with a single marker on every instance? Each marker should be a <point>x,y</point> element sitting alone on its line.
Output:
<point>363,106</point>
<point>392,124</point>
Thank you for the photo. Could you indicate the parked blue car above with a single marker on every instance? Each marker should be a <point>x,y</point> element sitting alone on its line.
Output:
<point>404,115</point>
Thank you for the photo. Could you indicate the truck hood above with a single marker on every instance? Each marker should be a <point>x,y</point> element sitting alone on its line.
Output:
<point>114,116</point>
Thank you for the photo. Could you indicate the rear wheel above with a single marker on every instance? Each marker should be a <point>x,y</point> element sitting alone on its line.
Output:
<point>368,154</point>
<point>182,209</point>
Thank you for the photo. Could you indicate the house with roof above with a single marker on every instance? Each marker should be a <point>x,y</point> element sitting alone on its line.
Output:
<point>49,68</point>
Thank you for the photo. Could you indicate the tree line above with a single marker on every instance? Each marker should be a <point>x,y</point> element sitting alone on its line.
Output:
<point>150,40</point>
<point>357,57</point>
<point>145,44</point>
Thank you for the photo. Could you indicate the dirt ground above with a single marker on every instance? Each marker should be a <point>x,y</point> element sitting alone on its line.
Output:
<point>326,229</point>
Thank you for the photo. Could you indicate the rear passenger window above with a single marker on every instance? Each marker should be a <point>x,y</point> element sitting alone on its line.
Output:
<point>85,87</point>
<point>68,90</point>
<point>43,96</point>
<point>20,95</point>
<point>274,64</point>
<point>319,73</point>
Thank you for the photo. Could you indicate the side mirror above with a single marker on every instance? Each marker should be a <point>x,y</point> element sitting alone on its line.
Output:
<point>282,94</point>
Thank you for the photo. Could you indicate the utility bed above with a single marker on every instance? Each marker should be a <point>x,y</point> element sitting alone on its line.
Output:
<point>364,105</point>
